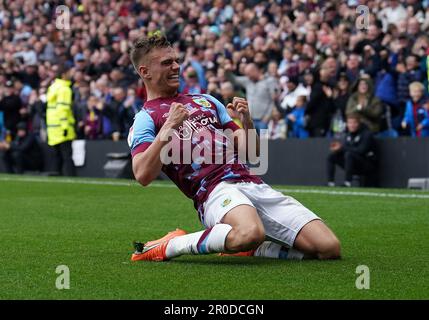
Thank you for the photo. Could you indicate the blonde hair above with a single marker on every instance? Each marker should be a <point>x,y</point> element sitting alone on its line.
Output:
<point>142,46</point>
<point>416,86</point>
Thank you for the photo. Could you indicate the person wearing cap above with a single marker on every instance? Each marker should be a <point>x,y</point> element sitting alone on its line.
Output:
<point>10,105</point>
<point>60,120</point>
<point>23,153</point>
<point>80,62</point>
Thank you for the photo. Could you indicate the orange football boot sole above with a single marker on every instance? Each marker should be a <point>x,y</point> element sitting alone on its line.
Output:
<point>249,253</point>
<point>155,250</point>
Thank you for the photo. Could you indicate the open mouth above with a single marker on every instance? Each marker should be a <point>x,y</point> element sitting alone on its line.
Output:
<point>173,77</point>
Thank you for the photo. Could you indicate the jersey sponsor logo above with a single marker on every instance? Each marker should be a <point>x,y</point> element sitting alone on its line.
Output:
<point>190,108</point>
<point>197,124</point>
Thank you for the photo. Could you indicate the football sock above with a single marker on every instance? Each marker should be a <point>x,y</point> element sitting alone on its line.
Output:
<point>270,249</point>
<point>208,241</point>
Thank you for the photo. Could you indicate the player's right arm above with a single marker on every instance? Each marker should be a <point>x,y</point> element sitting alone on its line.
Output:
<point>146,147</point>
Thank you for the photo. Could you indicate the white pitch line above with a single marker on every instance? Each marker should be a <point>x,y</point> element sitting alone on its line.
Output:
<point>70,181</point>
<point>359,193</point>
<point>161,185</point>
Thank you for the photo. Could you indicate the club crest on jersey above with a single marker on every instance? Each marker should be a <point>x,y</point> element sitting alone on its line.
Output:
<point>226,202</point>
<point>202,102</point>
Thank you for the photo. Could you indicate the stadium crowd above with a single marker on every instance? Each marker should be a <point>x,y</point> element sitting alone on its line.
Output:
<point>303,65</point>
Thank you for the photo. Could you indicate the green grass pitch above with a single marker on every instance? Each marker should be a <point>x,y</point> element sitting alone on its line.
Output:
<point>89,225</point>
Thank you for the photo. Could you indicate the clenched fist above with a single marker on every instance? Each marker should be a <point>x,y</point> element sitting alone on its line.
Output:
<point>177,115</point>
<point>242,107</point>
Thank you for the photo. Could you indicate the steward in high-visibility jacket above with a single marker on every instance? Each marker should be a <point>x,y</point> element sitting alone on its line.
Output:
<point>59,115</point>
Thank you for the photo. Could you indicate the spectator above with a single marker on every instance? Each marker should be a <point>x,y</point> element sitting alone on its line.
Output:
<point>11,107</point>
<point>294,36</point>
<point>341,96</point>
<point>392,13</point>
<point>37,113</point>
<point>2,127</point>
<point>118,113</point>
<point>353,67</point>
<point>192,63</point>
<point>93,119</point>
<point>416,118</point>
<point>23,153</point>
<point>296,119</point>
<point>294,89</point>
<point>356,154</point>
<point>409,73</point>
<point>260,93</point>
<point>213,90</point>
<point>277,126</point>
<point>30,76</point>
<point>363,102</point>
<point>192,85</point>
<point>227,93</point>
<point>321,105</point>
<point>22,90</point>
<point>285,62</point>
<point>385,84</point>
<point>129,108</point>
<point>28,55</point>
<point>60,121</point>
<point>117,79</point>
<point>80,108</point>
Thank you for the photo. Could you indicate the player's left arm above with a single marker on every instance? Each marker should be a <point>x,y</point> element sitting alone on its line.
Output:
<point>240,135</point>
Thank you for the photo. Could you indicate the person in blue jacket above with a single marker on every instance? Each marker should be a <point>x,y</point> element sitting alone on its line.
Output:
<point>296,119</point>
<point>2,128</point>
<point>416,117</point>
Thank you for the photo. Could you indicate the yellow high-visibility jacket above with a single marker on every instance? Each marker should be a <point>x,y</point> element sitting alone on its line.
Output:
<point>59,114</point>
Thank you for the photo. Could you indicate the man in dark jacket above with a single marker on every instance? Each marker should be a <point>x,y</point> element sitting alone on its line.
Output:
<point>321,107</point>
<point>10,105</point>
<point>23,153</point>
<point>356,154</point>
<point>409,74</point>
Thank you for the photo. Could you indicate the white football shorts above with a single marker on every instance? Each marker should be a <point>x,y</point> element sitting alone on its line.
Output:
<point>282,216</point>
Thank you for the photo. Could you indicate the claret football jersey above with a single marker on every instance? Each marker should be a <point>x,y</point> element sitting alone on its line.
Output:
<point>199,150</point>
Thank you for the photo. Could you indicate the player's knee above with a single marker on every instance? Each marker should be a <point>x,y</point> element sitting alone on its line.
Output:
<point>329,249</point>
<point>246,238</point>
<point>255,236</point>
